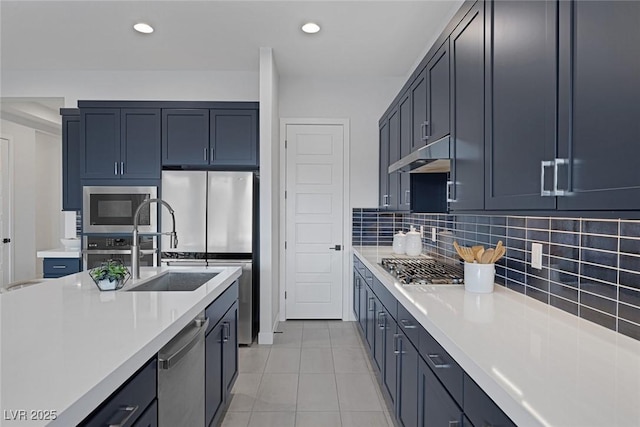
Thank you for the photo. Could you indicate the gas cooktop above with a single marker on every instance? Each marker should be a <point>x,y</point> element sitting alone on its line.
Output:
<point>412,271</point>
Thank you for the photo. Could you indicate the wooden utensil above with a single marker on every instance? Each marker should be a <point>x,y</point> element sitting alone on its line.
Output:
<point>464,252</point>
<point>478,253</point>
<point>487,256</point>
<point>498,253</point>
<point>477,249</point>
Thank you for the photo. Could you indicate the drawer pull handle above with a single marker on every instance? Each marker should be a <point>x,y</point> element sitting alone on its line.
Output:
<point>226,331</point>
<point>395,344</point>
<point>381,320</point>
<point>371,306</point>
<point>406,324</point>
<point>437,361</point>
<point>454,423</point>
<point>127,412</point>
<point>59,266</point>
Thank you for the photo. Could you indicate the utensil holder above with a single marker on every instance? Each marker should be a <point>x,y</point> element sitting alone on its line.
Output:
<point>479,278</point>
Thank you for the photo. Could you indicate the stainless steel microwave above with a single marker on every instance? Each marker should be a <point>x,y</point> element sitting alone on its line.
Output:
<point>108,209</point>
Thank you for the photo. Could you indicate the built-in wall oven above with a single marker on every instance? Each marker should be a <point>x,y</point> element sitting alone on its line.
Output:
<point>108,209</point>
<point>99,249</point>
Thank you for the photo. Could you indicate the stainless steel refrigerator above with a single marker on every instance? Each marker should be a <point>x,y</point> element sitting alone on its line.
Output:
<point>216,222</point>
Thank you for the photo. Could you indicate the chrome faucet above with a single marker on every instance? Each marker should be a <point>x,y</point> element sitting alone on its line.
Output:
<point>135,248</point>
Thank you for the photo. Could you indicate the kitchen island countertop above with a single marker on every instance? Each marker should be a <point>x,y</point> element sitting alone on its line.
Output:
<point>542,366</point>
<point>65,346</point>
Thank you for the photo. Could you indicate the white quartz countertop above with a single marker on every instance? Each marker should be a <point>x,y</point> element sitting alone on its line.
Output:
<point>65,346</point>
<point>59,253</point>
<point>542,366</point>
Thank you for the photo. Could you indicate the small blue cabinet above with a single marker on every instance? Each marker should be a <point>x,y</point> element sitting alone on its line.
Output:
<point>185,137</point>
<point>233,138</point>
<point>53,268</point>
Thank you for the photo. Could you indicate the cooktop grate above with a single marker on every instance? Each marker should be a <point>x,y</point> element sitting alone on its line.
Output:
<point>411,271</point>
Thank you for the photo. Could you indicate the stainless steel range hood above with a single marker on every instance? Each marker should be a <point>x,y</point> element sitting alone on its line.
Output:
<point>431,158</point>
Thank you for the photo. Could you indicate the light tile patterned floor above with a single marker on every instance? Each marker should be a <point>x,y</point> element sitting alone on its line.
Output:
<point>316,374</point>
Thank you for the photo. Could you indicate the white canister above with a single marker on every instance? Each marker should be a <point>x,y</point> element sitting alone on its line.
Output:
<point>414,242</point>
<point>479,278</point>
<point>399,243</point>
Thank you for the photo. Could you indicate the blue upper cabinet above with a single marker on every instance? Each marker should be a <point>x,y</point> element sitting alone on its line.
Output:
<point>599,109</point>
<point>521,102</point>
<point>210,137</point>
<point>185,137</point>
<point>71,188</point>
<point>234,138</point>
<point>140,143</point>
<point>100,143</point>
<point>119,143</point>
<point>467,112</point>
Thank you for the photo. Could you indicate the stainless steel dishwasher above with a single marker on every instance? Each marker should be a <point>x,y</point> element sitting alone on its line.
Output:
<point>181,377</point>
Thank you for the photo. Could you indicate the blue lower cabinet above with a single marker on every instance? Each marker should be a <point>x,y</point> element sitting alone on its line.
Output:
<point>390,372</point>
<point>379,334</point>
<point>221,354</point>
<point>480,409</point>
<point>53,268</point>
<point>407,398</point>
<point>127,405</point>
<point>436,406</point>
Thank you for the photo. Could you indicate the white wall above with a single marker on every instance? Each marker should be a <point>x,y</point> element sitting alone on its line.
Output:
<point>48,193</point>
<point>362,101</point>
<point>269,197</point>
<point>76,85</point>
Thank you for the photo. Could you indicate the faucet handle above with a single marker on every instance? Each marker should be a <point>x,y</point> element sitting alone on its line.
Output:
<point>174,240</point>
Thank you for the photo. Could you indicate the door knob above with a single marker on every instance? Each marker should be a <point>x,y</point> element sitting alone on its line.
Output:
<point>336,248</point>
<point>5,240</point>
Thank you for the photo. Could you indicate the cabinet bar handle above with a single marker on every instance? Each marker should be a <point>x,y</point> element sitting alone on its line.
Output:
<point>381,320</point>
<point>426,134</point>
<point>121,168</point>
<point>59,266</point>
<point>212,154</point>
<point>437,361</point>
<point>543,166</point>
<point>128,413</point>
<point>226,331</point>
<point>115,168</point>
<point>556,163</point>
<point>406,324</point>
<point>396,338</point>
<point>407,198</point>
<point>357,283</point>
<point>454,423</point>
<point>206,151</point>
<point>450,185</point>
<point>371,308</point>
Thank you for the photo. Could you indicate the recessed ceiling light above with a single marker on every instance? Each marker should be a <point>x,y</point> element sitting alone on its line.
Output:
<point>141,27</point>
<point>311,28</point>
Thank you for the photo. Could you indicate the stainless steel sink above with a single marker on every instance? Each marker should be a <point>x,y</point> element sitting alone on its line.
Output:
<point>174,281</point>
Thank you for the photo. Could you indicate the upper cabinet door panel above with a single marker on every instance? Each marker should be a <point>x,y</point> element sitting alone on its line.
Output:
<point>601,105</point>
<point>140,150</point>
<point>234,137</point>
<point>394,156</point>
<point>438,88</point>
<point>100,142</point>
<point>185,137</point>
<point>419,111</point>
<point>521,101</point>
<point>71,188</point>
<point>467,109</point>
<point>383,175</point>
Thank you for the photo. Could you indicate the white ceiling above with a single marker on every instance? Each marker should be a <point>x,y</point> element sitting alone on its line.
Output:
<point>358,38</point>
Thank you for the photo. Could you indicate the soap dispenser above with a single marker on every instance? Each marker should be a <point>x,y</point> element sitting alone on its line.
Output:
<point>414,242</point>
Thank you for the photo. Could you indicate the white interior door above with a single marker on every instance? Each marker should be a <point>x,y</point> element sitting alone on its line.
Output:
<point>314,215</point>
<point>5,217</point>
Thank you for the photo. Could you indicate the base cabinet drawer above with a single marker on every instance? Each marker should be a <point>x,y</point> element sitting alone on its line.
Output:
<point>53,268</point>
<point>435,405</point>
<point>127,405</point>
<point>442,365</point>
<point>150,417</point>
